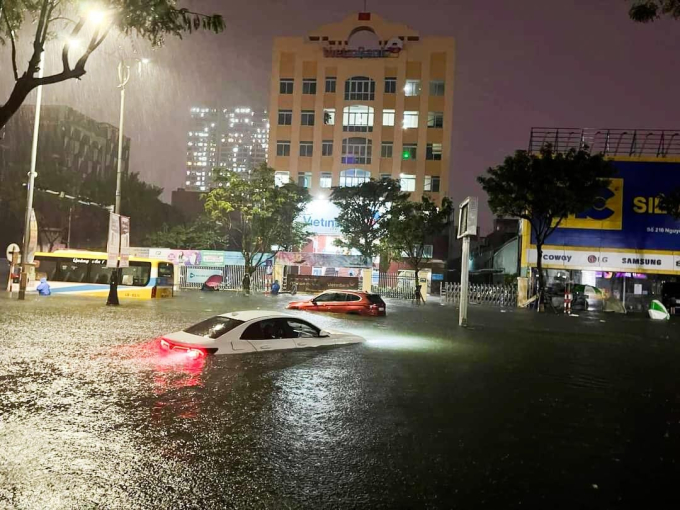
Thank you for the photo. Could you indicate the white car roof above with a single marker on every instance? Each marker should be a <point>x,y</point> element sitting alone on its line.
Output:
<point>249,315</point>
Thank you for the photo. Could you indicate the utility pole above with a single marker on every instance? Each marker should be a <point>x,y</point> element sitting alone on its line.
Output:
<point>23,281</point>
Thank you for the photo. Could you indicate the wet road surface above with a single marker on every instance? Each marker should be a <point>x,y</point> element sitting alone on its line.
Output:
<point>518,411</point>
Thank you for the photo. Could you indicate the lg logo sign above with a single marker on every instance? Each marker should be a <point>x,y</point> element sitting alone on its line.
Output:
<point>592,259</point>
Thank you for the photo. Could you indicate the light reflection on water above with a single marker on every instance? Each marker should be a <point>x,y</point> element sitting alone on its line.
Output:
<point>93,413</point>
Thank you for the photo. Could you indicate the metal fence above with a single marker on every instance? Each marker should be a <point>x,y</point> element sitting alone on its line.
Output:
<point>481,294</point>
<point>391,285</point>
<point>193,277</point>
<point>658,143</point>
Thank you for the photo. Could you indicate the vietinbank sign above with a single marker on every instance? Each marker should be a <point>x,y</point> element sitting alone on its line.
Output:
<point>320,216</point>
<point>607,260</point>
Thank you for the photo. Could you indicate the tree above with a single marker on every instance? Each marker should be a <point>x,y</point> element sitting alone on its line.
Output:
<point>645,11</point>
<point>544,189</point>
<point>670,202</point>
<point>202,234</point>
<point>412,225</point>
<point>260,217</point>
<point>365,212</point>
<point>151,20</point>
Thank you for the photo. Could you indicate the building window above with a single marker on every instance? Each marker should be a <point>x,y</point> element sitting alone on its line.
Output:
<point>408,182</point>
<point>390,85</point>
<point>326,180</point>
<point>388,117</point>
<point>435,119</point>
<point>307,118</point>
<point>410,120</point>
<point>357,118</point>
<point>329,116</point>
<point>431,183</point>
<point>359,88</point>
<point>356,151</point>
<point>281,178</point>
<point>437,88</point>
<point>409,151</point>
<point>385,176</point>
<point>306,149</point>
<point>285,86</point>
<point>386,149</point>
<point>412,88</point>
<point>327,148</point>
<point>285,117</point>
<point>283,148</point>
<point>305,179</point>
<point>354,177</point>
<point>330,84</point>
<point>433,151</point>
<point>309,86</point>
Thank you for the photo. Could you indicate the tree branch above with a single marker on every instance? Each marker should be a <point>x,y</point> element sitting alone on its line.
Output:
<point>64,52</point>
<point>14,47</point>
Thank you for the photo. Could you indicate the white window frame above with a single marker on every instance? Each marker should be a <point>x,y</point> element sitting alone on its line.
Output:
<point>282,144</point>
<point>389,117</point>
<point>410,120</point>
<point>307,85</point>
<point>306,179</point>
<point>358,118</point>
<point>325,180</point>
<point>305,116</point>
<point>331,116</point>
<point>354,177</point>
<point>433,150</point>
<point>437,88</point>
<point>387,147</point>
<point>281,178</point>
<point>407,182</point>
<point>306,147</point>
<point>412,88</point>
<point>286,115</point>
<point>428,184</point>
<point>435,120</point>
<point>286,82</point>
<point>359,88</point>
<point>355,152</point>
<point>324,148</point>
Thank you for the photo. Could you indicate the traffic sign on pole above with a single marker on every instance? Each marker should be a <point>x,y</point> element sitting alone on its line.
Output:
<point>12,248</point>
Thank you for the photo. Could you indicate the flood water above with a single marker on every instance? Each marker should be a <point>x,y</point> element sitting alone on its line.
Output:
<point>520,410</point>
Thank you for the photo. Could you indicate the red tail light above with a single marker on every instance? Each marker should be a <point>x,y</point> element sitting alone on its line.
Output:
<point>191,352</point>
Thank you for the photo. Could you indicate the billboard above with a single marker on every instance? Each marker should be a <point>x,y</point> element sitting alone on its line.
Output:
<point>320,216</point>
<point>625,230</point>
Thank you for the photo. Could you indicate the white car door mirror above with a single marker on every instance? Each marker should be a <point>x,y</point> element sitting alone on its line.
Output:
<point>324,334</point>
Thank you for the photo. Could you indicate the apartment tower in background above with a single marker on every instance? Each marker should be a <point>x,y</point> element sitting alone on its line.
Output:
<point>231,138</point>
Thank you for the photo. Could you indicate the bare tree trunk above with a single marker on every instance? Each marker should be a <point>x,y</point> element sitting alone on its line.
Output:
<point>539,267</point>
<point>418,296</point>
<point>22,88</point>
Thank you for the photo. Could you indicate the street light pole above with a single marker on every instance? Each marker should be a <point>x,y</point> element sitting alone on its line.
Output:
<point>31,180</point>
<point>123,78</point>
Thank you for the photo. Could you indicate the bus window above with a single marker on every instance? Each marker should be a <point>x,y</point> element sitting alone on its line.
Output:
<point>99,273</point>
<point>73,270</point>
<point>166,270</point>
<point>46,267</point>
<point>138,274</point>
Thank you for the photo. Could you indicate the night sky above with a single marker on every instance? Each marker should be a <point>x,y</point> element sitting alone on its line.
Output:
<point>520,64</point>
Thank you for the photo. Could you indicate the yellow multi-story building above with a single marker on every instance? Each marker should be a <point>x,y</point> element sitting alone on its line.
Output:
<point>362,99</point>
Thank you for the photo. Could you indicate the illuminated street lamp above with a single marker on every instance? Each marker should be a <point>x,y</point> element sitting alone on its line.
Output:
<point>123,78</point>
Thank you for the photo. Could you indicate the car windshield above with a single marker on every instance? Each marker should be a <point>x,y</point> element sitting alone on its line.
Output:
<point>375,299</point>
<point>214,327</point>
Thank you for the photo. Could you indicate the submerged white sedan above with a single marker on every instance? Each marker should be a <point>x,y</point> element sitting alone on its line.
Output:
<point>251,331</point>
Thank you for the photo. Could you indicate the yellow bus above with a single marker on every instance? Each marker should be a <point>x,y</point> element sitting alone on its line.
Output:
<point>85,273</point>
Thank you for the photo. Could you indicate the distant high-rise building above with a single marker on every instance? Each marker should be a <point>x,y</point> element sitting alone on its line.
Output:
<point>231,138</point>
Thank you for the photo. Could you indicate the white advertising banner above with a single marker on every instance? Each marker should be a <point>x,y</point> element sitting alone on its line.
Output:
<point>124,241</point>
<point>603,260</point>
<point>113,243</point>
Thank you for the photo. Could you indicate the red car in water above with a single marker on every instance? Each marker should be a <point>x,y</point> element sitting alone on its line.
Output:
<point>343,301</point>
